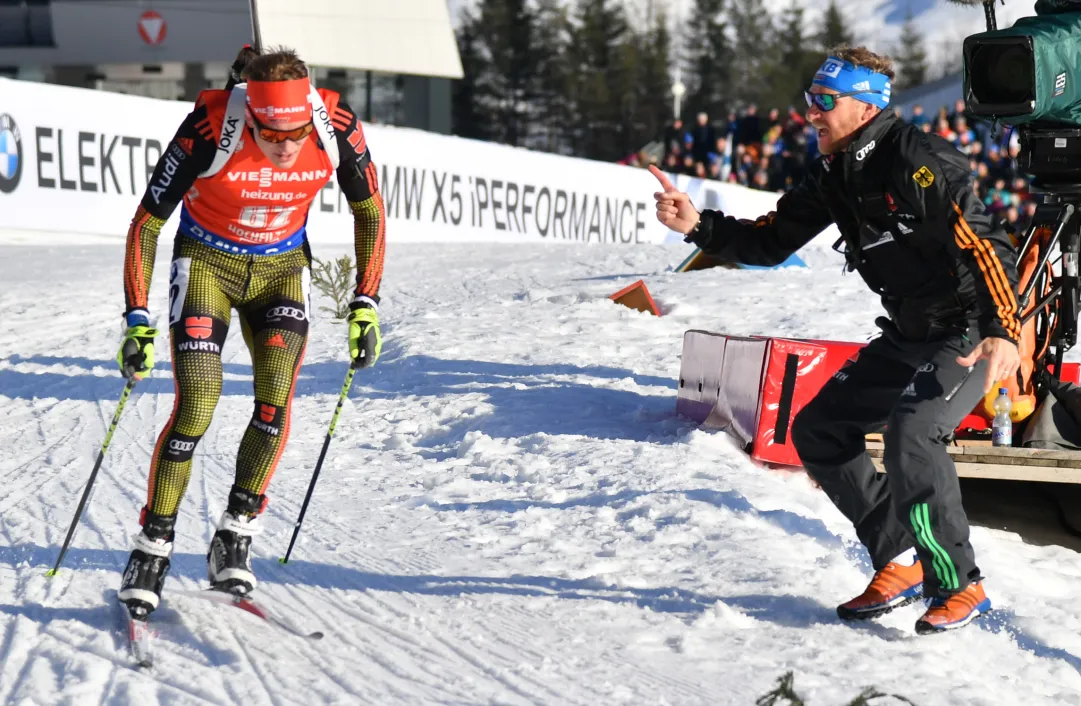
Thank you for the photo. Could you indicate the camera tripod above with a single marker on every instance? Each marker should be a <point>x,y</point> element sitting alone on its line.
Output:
<point>1055,223</point>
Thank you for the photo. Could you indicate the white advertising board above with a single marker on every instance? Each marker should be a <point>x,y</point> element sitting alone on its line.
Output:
<point>77,161</point>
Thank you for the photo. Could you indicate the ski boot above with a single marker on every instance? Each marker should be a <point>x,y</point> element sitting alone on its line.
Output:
<point>228,563</point>
<point>140,589</point>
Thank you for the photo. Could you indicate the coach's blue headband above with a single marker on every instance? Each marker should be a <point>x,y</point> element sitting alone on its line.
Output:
<point>846,77</point>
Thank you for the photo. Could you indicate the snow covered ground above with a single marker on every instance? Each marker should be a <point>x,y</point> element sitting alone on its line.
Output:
<point>510,512</point>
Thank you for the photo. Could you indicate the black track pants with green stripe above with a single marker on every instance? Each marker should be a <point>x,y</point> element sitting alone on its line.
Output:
<point>920,393</point>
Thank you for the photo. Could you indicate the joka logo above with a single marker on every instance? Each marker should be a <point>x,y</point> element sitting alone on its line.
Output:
<point>199,327</point>
<point>324,117</point>
<point>228,134</point>
<point>11,154</point>
<point>267,412</point>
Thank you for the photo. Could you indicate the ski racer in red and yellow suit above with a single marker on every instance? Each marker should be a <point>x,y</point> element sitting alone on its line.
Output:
<point>245,174</point>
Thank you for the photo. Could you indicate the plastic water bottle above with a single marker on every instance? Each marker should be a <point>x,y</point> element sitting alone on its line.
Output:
<point>1002,426</point>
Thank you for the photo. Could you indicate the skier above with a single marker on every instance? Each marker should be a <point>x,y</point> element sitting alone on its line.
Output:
<point>247,164</point>
<point>946,271</point>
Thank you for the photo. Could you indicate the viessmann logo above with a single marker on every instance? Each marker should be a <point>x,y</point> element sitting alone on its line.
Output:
<point>272,111</point>
<point>11,154</point>
<point>267,176</point>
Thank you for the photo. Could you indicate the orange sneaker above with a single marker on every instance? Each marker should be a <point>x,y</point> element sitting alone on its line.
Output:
<point>955,611</point>
<point>892,587</point>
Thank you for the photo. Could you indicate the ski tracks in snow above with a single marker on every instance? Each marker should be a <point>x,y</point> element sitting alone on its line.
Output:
<point>509,514</point>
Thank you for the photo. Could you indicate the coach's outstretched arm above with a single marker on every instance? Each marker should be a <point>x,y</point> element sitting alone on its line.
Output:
<point>768,240</point>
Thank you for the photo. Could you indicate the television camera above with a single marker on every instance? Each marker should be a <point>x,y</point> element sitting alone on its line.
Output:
<point>1026,76</point>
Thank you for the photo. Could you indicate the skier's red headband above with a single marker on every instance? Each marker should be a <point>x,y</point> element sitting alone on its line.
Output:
<point>280,100</point>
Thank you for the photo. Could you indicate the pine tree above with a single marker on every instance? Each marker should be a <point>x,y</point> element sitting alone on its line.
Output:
<point>834,30</point>
<point>599,81</point>
<point>505,28</point>
<point>911,55</point>
<point>798,61</point>
<point>707,60</point>
<point>467,119</point>
<point>754,57</point>
<point>653,82</point>
<point>552,119</point>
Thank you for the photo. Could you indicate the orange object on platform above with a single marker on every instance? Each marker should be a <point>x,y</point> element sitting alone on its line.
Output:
<point>636,296</point>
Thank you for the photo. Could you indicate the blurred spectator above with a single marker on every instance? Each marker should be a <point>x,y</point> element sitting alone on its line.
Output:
<point>720,159</point>
<point>671,163</point>
<point>1012,217</point>
<point>997,167</point>
<point>703,139</point>
<point>996,197</point>
<point>918,118</point>
<point>774,118</point>
<point>673,135</point>
<point>1028,210</point>
<point>749,130</point>
<point>960,126</point>
<point>958,110</point>
<point>964,142</point>
<point>943,130</point>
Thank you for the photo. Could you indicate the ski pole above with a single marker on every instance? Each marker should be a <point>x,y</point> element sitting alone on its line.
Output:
<point>256,34</point>
<point>319,464</point>
<point>93,474</point>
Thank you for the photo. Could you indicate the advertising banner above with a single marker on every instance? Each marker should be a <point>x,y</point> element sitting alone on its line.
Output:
<point>78,161</point>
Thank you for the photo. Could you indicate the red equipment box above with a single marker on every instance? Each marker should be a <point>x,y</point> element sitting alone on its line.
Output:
<point>753,386</point>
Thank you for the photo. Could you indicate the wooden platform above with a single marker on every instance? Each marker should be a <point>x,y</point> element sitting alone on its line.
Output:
<point>978,459</point>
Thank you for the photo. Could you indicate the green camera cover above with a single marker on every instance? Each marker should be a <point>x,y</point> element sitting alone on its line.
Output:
<point>1056,43</point>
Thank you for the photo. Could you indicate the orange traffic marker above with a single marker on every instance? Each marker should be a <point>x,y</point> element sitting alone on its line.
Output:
<point>636,296</point>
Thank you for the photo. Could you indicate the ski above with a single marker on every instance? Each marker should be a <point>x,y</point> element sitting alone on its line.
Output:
<point>137,632</point>
<point>141,641</point>
<point>249,605</point>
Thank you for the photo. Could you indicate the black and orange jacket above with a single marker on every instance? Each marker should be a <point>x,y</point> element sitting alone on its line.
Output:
<point>191,152</point>
<point>912,227</point>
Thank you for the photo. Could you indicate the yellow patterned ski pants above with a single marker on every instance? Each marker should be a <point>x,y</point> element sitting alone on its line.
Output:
<point>271,294</point>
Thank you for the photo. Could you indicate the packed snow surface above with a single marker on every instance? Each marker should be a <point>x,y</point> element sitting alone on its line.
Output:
<point>510,511</point>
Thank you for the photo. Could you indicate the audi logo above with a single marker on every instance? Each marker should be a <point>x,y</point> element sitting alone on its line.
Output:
<point>285,312</point>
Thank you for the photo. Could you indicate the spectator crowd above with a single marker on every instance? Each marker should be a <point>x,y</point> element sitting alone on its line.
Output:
<point>771,152</point>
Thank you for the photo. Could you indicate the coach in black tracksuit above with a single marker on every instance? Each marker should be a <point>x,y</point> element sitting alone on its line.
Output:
<point>914,230</point>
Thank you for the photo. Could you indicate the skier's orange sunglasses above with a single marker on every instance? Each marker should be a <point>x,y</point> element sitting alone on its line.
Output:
<point>269,134</point>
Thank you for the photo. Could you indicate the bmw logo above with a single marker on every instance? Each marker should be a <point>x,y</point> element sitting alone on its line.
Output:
<point>11,153</point>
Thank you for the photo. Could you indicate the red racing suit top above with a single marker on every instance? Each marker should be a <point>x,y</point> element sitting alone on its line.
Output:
<point>248,206</point>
